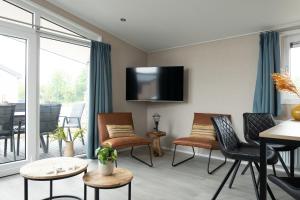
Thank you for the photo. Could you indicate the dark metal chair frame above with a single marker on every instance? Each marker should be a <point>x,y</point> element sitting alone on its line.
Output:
<point>230,143</point>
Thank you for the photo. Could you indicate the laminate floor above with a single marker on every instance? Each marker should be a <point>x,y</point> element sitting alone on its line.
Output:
<point>188,181</point>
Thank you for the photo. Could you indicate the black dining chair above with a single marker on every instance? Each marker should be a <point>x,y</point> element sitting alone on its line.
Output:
<point>49,115</point>
<point>290,185</point>
<point>231,147</point>
<point>255,123</point>
<point>6,127</point>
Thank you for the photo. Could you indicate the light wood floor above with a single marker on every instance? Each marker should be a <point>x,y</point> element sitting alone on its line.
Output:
<point>163,182</point>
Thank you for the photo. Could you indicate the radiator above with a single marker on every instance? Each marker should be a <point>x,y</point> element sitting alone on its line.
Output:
<point>286,158</point>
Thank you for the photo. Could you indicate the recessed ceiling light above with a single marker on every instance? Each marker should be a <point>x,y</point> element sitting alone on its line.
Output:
<point>123,19</point>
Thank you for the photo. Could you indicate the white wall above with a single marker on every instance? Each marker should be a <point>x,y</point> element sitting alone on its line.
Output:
<point>220,78</point>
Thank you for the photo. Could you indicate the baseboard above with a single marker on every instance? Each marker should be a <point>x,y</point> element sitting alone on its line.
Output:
<point>278,166</point>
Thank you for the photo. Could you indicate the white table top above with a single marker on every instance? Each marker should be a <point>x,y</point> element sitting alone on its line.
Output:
<point>53,168</point>
<point>287,130</point>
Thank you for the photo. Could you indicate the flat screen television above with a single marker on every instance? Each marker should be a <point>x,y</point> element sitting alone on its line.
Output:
<point>154,83</point>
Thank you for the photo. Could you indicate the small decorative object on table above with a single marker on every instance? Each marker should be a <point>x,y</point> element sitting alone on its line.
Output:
<point>59,134</point>
<point>106,156</point>
<point>155,136</point>
<point>284,83</point>
<point>156,118</point>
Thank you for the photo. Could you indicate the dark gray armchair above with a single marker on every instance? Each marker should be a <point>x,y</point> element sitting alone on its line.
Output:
<point>49,115</point>
<point>6,127</point>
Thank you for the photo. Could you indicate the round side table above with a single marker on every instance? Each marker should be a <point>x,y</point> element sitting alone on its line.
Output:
<point>51,169</point>
<point>120,177</point>
<point>155,136</point>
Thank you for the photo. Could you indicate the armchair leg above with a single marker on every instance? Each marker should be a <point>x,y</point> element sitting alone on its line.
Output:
<point>138,159</point>
<point>225,179</point>
<point>218,167</point>
<point>175,164</point>
<point>234,174</point>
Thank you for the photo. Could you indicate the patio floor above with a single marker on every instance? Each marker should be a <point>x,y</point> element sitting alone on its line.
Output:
<point>79,149</point>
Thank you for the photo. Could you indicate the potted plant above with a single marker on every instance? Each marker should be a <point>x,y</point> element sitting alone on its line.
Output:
<point>106,156</point>
<point>60,134</point>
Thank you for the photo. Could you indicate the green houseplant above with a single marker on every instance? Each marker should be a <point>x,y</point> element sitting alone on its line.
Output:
<point>106,156</point>
<point>60,134</point>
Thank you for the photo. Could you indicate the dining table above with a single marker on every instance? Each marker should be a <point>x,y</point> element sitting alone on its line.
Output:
<point>287,132</point>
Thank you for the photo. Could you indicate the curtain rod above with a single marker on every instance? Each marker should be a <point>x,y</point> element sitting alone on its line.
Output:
<point>37,28</point>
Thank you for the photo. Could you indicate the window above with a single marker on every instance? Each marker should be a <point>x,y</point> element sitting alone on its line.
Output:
<point>291,63</point>
<point>51,27</point>
<point>10,12</point>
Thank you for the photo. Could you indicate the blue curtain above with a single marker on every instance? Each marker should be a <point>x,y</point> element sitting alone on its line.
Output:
<point>266,98</point>
<point>100,91</point>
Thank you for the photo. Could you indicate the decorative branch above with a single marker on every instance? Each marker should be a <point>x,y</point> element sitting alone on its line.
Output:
<point>284,83</point>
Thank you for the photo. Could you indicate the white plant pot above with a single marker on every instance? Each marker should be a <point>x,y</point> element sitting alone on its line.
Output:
<point>69,149</point>
<point>107,168</point>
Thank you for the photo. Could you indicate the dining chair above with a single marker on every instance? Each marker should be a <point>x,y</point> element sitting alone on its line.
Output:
<point>6,127</point>
<point>49,115</point>
<point>231,147</point>
<point>290,185</point>
<point>74,119</point>
<point>255,123</point>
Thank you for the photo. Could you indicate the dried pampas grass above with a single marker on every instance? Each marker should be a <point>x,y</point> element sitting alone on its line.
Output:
<point>284,83</point>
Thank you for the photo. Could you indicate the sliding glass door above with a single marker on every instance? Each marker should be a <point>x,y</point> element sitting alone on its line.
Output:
<point>16,101</point>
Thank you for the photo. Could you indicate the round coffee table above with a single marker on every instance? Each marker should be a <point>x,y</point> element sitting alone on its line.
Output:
<point>120,177</point>
<point>51,169</point>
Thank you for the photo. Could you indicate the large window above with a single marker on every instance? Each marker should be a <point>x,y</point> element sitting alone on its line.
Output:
<point>63,84</point>
<point>44,67</point>
<point>291,63</point>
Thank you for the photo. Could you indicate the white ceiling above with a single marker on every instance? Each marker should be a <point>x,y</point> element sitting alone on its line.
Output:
<point>159,24</point>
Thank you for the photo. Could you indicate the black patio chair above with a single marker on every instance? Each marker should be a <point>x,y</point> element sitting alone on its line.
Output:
<point>231,147</point>
<point>6,127</point>
<point>49,115</point>
<point>19,122</point>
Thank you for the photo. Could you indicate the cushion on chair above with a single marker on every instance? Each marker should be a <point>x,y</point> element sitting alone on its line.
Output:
<point>115,131</point>
<point>123,142</point>
<point>205,131</point>
<point>197,142</point>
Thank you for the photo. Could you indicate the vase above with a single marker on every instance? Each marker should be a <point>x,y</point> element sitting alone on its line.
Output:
<point>107,168</point>
<point>296,112</point>
<point>69,149</point>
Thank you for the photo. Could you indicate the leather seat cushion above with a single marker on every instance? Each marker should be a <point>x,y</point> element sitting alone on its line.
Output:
<point>289,185</point>
<point>282,147</point>
<point>197,142</point>
<point>123,142</point>
<point>249,152</point>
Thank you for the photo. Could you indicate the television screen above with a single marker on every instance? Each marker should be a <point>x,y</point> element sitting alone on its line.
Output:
<point>154,83</point>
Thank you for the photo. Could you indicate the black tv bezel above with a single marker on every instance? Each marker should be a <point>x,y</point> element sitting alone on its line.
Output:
<point>151,100</point>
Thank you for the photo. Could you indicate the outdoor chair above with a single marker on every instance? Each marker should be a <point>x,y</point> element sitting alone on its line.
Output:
<point>74,119</point>
<point>49,115</point>
<point>6,127</point>
<point>19,122</point>
<point>132,141</point>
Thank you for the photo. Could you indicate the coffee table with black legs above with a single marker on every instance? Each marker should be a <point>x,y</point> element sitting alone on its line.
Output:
<point>51,169</point>
<point>120,177</point>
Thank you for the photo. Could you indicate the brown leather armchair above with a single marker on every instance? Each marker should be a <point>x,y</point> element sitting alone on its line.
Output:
<point>121,142</point>
<point>203,119</point>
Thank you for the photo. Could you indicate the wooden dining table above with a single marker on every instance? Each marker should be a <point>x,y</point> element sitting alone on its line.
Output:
<point>287,132</point>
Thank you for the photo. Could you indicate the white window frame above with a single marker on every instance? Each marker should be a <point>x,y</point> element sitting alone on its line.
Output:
<point>32,80</point>
<point>286,38</point>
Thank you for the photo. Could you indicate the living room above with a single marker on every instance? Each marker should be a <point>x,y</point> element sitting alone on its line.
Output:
<point>149,99</point>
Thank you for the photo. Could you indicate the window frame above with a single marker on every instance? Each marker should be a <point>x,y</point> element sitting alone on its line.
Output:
<point>286,38</point>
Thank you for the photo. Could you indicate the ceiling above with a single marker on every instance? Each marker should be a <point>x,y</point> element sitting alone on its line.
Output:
<point>159,24</point>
